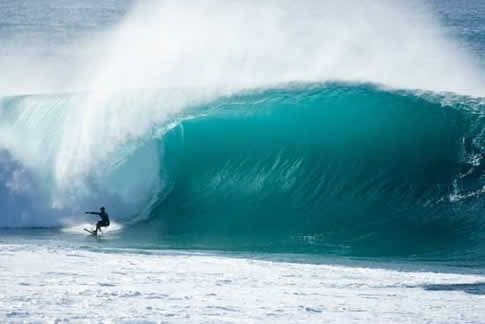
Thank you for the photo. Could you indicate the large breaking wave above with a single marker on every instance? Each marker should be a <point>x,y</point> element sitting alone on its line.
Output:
<point>188,120</point>
<point>330,162</point>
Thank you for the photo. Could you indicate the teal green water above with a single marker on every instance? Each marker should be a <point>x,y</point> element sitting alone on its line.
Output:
<point>343,168</point>
<point>346,169</point>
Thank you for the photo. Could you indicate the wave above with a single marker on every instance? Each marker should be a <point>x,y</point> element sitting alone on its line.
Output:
<point>319,164</point>
<point>334,163</point>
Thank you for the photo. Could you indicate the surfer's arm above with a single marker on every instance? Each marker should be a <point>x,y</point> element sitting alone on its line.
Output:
<point>93,213</point>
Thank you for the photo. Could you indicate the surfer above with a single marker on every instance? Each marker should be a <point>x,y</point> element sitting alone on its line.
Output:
<point>104,222</point>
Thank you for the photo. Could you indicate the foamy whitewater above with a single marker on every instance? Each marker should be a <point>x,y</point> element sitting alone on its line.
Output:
<point>262,161</point>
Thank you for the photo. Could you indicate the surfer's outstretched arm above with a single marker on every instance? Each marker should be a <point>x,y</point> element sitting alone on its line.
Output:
<point>93,213</point>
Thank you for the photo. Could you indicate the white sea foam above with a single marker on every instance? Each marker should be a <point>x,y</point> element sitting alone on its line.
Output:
<point>48,284</point>
<point>79,228</point>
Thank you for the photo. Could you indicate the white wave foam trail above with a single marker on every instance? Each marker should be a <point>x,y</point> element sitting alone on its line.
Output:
<point>81,147</point>
<point>80,228</point>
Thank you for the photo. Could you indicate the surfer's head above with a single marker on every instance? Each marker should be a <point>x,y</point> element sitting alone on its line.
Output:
<point>102,209</point>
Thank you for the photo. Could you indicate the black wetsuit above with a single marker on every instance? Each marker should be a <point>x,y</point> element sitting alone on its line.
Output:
<point>104,222</point>
<point>104,219</point>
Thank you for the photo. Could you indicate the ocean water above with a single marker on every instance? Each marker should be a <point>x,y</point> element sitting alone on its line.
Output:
<point>326,161</point>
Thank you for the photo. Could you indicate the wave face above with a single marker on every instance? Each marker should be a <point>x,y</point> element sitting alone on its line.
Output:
<point>307,166</point>
<point>322,164</point>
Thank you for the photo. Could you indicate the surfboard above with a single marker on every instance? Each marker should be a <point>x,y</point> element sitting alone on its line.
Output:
<point>90,232</point>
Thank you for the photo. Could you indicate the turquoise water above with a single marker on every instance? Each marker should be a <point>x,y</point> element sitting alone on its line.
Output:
<point>383,172</point>
<point>316,168</point>
<point>340,168</point>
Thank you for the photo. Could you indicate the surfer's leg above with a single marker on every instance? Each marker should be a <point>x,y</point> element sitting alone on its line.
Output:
<point>98,227</point>
<point>103,224</point>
